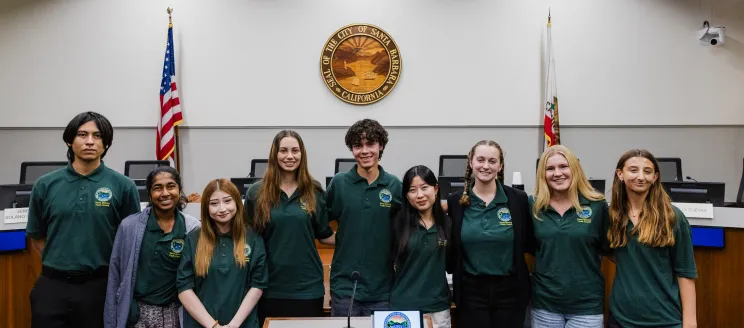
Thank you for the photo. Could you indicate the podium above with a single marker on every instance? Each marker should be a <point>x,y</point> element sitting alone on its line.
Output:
<point>324,322</point>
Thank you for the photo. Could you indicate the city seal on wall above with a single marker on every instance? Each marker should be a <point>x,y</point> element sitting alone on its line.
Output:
<point>360,64</point>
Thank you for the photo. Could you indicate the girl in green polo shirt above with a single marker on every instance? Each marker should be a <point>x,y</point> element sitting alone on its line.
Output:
<point>655,275</point>
<point>570,222</point>
<point>491,230</point>
<point>421,230</point>
<point>147,251</point>
<point>222,272</point>
<point>288,210</point>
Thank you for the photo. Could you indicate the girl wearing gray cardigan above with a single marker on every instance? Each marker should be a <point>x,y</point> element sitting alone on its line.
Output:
<point>139,296</point>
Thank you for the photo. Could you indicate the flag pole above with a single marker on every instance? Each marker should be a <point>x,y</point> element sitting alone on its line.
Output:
<point>176,139</point>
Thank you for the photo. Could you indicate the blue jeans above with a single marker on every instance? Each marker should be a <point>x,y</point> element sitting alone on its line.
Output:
<point>340,306</point>
<point>545,319</point>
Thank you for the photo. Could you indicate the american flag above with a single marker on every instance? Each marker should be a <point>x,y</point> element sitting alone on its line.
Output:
<point>170,105</point>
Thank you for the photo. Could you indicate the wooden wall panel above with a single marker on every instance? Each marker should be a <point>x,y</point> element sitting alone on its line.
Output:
<point>18,273</point>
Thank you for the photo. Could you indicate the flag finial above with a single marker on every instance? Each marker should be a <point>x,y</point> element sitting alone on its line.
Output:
<point>548,16</point>
<point>170,19</point>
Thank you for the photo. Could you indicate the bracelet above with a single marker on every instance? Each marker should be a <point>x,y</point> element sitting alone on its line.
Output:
<point>216,323</point>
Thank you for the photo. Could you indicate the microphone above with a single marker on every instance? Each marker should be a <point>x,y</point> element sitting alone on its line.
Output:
<point>690,178</point>
<point>355,276</point>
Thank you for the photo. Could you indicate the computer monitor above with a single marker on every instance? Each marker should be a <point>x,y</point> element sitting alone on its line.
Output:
<point>452,165</point>
<point>32,171</point>
<point>343,165</point>
<point>328,181</point>
<point>598,184</point>
<point>141,169</point>
<point>448,185</point>
<point>244,183</point>
<point>15,195</point>
<point>696,192</point>
<point>670,168</point>
<point>258,168</point>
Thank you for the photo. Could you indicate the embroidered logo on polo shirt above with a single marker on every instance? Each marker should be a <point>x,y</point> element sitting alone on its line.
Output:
<point>303,205</point>
<point>247,253</point>
<point>103,196</point>
<point>585,215</point>
<point>397,320</point>
<point>176,248</point>
<point>504,216</point>
<point>385,198</point>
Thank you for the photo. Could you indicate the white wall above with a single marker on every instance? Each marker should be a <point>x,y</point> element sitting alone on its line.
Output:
<point>476,62</point>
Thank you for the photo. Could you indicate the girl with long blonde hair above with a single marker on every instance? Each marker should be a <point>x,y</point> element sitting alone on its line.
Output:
<point>570,221</point>
<point>222,273</point>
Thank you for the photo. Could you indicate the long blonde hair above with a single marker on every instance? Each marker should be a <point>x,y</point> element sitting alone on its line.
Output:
<point>268,195</point>
<point>208,237</point>
<point>465,199</point>
<point>657,219</point>
<point>579,183</point>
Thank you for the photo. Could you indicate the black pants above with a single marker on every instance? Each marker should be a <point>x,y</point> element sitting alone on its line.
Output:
<point>489,302</point>
<point>612,323</point>
<point>278,307</point>
<point>60,304</point>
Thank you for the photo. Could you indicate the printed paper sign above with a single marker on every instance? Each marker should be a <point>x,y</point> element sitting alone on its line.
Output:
<point>696,210</point>
<point>16,215</point>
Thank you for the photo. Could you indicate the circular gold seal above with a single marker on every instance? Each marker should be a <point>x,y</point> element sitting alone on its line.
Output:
<point>360,64</point>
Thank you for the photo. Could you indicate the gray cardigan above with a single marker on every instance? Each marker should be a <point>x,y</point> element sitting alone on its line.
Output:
<point>123,266</point>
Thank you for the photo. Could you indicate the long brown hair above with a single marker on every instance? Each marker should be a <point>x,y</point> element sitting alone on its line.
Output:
<point>657,219</point>
<point>579,182</point>
<point>270,191</point>
<point>465,199</point>
<point>208,236</point>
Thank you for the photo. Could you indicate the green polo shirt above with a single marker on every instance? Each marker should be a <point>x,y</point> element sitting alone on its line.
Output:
<point>421,281</point>
<point>363,240</point>
<point>159,257</point>
<point>567,277</point>
<point>224,287</point>
<point>487,235</point>
<point>645,292</point>
<point>295,269</point>
<point>79,215</point>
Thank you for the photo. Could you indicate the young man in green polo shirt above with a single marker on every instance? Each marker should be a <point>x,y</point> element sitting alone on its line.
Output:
<point>363,202</point>
<point>73,216</point>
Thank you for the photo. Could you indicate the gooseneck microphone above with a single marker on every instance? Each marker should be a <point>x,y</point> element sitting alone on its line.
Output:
<point>690,178</point>
<point>355,277</point>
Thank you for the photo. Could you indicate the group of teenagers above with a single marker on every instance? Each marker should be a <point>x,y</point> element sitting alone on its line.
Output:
<point>107,263</point>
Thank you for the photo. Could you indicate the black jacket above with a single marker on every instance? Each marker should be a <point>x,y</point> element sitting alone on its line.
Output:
<point>523,232</point>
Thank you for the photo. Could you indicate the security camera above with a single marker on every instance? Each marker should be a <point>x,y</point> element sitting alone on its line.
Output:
<point>712,35</point>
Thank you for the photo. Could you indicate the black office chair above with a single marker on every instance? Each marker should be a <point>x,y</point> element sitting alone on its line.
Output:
<point>32,171</point>
<point>740,196</point>
<point>670,168</point>
<point>258,168</point>
<point>343,165</point>
<point>452,165</point>
<point>138,170</point>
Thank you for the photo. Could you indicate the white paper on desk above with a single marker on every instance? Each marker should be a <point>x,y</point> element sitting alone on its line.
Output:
<point>395,319</point>
<point>696,210</point>
<point>16,215</point>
